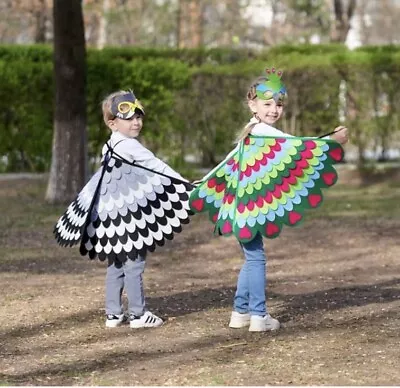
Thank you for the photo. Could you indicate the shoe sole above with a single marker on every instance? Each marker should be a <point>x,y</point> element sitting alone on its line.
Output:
<point>140,326</point>
<point>112,325</point>
<point>239,325</point>
<point>238,321</point>
<point>264,329</point>
<point>259,330</point>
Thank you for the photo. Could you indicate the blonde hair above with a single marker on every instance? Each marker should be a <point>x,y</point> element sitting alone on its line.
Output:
<point>107,103</point>
<point>251,95</point>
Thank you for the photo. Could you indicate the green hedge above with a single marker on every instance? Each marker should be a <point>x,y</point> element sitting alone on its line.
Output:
<point>43,53</point>
<point>26,115</point>
<point>189,56</point>
<point>195,99</point>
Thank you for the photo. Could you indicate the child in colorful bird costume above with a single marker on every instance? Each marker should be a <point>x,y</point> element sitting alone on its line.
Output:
<point>132,203</point>
<point>266,182</point>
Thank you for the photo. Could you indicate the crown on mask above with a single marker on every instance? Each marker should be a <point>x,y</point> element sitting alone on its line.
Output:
<point>273,87</point>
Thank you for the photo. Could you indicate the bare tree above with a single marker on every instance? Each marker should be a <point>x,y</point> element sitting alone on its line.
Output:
<point>343,16</point>
<point>102,38</point>
<point>292,21</point>
<point>179,24</point>
<point>24,21</point>
<point>378,22</point>
<point>190,23</point>
<point>196,17</point>
<point>271,35</point>
<point>68,167</point>
<point>40,16</point>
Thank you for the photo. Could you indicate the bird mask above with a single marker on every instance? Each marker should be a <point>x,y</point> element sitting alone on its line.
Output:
<point>125,106</point>
<point>272,87</point>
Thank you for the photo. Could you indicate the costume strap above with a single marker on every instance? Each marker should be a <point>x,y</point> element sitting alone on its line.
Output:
<point>115,155</point>
<point>330,133</point>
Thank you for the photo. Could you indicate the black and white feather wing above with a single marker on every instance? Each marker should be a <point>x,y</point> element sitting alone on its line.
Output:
<point>68,230</point>
<point>133,211</point>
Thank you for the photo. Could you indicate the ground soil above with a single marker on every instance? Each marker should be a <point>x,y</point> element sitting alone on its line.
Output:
<point>334,283</point>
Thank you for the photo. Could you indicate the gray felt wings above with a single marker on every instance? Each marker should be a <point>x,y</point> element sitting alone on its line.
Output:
<point>124,210</point>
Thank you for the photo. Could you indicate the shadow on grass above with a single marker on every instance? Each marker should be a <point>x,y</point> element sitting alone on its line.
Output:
<point>62,373</point>
<point>40,264</point>
<point>184,303</point>
<point>338,298</point>
<point>213,348</point>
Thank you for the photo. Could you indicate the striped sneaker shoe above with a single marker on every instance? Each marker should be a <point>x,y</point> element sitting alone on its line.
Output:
<point>113,320</point>
<point>148,319</point>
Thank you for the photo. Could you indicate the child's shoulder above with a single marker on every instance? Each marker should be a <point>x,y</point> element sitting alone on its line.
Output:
<point>122,145</point>
<point>262,129</point>
<point>119,140</point>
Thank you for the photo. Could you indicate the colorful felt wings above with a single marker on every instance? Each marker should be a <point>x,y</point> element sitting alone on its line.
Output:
<point>269,182</point>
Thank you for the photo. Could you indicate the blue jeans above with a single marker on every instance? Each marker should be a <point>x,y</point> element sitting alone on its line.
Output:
<point>250,292</point>
<point>128,276</point>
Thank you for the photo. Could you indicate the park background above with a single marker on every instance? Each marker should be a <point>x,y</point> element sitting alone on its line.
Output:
<point>333,282</point>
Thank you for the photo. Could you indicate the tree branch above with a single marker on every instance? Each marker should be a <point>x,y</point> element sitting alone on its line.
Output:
<point>351,8</point>
<point>338,10</point>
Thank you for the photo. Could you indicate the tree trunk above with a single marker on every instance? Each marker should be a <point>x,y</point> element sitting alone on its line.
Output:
<point>179,25</point>
<point>271,34</point>
<point>40,22</point>
<point>196,17</point>
<point>342,24</point>
<point>183,15</point>
<point>190,24</point>
<point>102,39</point>
<point>68,166</point>
<point>231,17</point>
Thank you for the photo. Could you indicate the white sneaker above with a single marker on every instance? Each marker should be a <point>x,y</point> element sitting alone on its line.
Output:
<point>114,320</point>
<point>239,320</point>
<point>148,319</point>
<point>265,323</point>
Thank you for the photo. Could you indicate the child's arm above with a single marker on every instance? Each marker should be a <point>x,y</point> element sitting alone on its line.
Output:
<point>132,150</point>
<point>341,134</point>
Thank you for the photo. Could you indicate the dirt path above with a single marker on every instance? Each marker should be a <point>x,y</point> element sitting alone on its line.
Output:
<point>334,283</point>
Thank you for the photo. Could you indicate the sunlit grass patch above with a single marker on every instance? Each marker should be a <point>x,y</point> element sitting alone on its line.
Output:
<point>380,200</point>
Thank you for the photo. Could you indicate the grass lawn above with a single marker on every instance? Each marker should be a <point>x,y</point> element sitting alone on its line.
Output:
<point>333,282</point>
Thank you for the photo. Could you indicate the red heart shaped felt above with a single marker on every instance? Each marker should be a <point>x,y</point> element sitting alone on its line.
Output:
<point>314,199</point>
<point>294,217</point>
<point>227,228</point>
<point>329,178</point>
<point>336,154</point>
<point>272,229</point>
<point>198,204</point>
<point>245,233</point>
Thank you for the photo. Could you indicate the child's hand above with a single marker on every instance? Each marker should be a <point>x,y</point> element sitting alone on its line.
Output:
<point>341,134</point>
<point>197,183</point>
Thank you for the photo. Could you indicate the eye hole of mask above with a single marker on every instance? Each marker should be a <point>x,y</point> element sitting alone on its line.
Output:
<point>268,94</point>
<point>124,107</point>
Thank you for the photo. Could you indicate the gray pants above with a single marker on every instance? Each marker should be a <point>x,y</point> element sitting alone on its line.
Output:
<point>128,275</point>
